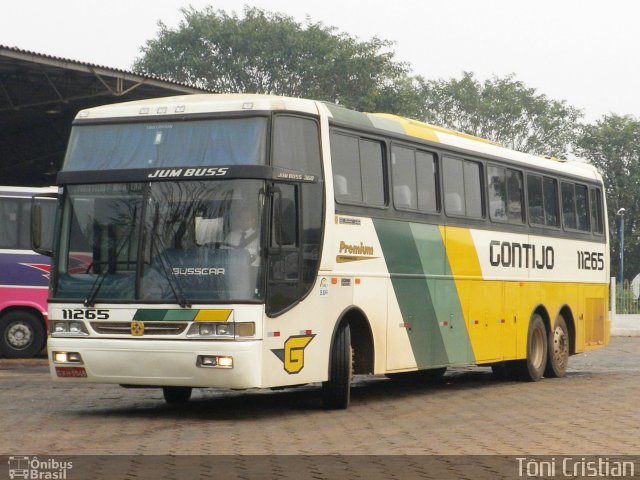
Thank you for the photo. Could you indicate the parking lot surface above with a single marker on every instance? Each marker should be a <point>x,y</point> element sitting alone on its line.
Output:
<point>592,411</point>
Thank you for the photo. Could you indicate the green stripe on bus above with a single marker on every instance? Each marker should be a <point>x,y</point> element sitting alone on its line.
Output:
<point>158,315</point>
<point>150,314</point>
<point>426,293</point>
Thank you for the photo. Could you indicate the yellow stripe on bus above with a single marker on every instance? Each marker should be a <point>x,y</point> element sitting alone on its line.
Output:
<point>217,315</point>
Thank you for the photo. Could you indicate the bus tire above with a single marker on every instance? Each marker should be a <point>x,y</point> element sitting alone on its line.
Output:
<point>22,334</point>
<point>176,395</point>
<point>532,368</point>
<point>336,392</point>
<point>558,349</point>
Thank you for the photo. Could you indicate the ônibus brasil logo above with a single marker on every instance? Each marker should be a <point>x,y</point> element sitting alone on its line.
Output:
<point>35,469</point>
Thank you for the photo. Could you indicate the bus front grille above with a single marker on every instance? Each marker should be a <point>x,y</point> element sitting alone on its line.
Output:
<point>150,328</point>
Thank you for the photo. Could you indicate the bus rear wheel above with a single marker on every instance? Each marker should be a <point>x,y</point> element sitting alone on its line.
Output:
<point>177,395</point>
<point>22,334</point>
<point>336,392</point>
<point>533,367</point>
<point>558,349</point>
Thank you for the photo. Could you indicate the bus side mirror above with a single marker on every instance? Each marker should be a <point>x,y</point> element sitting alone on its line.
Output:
<point>42,216</point>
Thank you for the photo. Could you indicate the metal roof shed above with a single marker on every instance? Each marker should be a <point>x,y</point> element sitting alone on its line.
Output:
<point>39,97</point>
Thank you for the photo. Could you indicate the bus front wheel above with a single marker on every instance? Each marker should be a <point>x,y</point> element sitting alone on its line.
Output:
<point>176,395</point>
<point>22,334</point>
<point>336,392</point>
<point>532,368</point>
<point>558,349</point>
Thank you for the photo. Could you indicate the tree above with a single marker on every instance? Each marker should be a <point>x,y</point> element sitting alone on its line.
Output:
<point>503,110</point>
<point>612,144</point>
<point>266,52</point>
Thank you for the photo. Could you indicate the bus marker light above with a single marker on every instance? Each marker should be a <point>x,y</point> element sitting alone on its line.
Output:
<point>357,281</point>
<point>444,324</point>
<point>245,329</point>
<point>334,281</point>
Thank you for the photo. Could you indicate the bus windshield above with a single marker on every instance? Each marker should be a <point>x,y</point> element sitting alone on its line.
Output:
<point>121,146</point>
<point>169,242</point>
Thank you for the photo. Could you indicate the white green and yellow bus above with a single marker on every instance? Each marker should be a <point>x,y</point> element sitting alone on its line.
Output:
<point>247,241</point>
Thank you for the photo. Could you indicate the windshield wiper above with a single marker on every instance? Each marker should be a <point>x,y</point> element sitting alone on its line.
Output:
<point>110,264</point>
<point>95,288</point>
<point>167,267</point>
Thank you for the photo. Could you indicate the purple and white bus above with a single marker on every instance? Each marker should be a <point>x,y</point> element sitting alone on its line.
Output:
<point>24,274</point>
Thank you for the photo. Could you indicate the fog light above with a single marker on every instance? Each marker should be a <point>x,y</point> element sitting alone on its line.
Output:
<point>73,357</point>
<point>67,357</point>
<point>60,357</point>
<point>216,361</point>
<point>226,362</point>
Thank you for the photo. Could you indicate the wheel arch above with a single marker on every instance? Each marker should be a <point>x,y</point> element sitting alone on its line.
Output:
<point>544,314</point>
<point>361,339</point>
<point>569,319</point>
<point>24,308</point>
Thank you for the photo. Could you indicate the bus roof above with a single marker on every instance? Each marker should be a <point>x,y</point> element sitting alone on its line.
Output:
<point>218,103</point>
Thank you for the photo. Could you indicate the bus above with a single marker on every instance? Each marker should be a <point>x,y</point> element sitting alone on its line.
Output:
<point>248,241</point>
<point>24,274</point>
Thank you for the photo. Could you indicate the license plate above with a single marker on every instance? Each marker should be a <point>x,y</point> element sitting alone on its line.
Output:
<point>75,372</point>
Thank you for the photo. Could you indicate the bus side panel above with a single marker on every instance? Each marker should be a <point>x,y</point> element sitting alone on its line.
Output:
<point>484,299</point>
<point>24,280</point>
<point>430,315</point>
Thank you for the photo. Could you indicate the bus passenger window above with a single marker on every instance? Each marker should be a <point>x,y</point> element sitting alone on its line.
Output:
<point>9,218</point>
<point>582,208</point>
<point>358,173</point>
<point>536,205</point>
<point>550,192</point>
<point>462,188</point>
<point>596,211</point>
<point>403,166</point>
<point>568,206</point>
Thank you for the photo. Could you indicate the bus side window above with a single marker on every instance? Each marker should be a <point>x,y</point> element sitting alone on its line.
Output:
<point>462,187</point>
<point>534,194</point>
<point>596,211</point>
<point>550,194</point>
<point>9,212</point>
<point>568,205</point>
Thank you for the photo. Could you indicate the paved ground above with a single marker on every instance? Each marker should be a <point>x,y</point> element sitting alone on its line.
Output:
<point>592,411</point>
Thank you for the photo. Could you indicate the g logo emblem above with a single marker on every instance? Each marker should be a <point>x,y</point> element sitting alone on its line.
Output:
<point>137,329</point>
<point>292,355</point>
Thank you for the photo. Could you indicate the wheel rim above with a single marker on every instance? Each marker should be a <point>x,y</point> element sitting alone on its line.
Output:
<point>537,348</point>
<point>19,335</point>
<point>560,347</point>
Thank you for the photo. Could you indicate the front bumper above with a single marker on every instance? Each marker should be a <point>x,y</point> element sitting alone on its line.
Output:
<point>160,363</point>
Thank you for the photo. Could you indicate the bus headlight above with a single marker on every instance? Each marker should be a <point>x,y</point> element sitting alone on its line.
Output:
<point>222,330</point>
<point>66,328</point>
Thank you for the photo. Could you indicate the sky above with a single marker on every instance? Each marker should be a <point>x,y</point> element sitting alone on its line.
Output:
<point>585,52</point>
